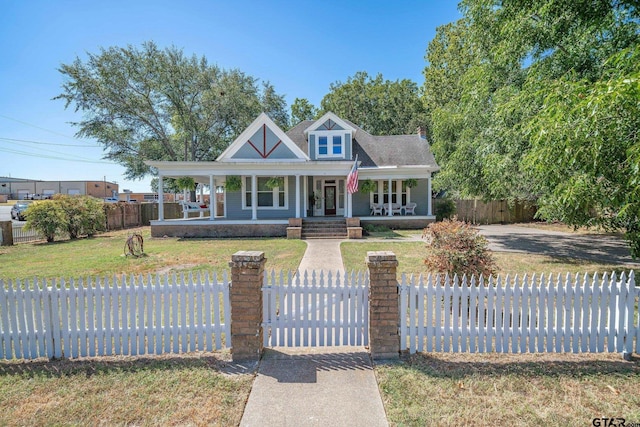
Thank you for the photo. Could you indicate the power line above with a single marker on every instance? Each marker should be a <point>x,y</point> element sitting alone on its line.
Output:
<point>46,156</point>
<point>37,127</point>
<point>49,143</point>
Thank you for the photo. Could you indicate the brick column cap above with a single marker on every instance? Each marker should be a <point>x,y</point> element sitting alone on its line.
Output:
<point>374,257</point>
<point>241,257</point>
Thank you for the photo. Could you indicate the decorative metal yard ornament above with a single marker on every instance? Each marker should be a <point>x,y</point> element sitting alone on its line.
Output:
<point>134,245</point>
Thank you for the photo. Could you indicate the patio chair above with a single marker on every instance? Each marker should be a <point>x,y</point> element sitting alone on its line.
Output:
<point>376,210</point>
<point>396,208</point>
<point>410,208</point>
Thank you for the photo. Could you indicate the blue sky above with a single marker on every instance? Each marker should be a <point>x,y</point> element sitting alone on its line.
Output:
<point>301,47</point>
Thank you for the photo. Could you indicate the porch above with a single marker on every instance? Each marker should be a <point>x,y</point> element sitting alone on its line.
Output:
<point>272,227</point>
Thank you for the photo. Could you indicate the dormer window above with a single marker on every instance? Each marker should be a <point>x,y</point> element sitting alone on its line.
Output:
<point>330,144</point>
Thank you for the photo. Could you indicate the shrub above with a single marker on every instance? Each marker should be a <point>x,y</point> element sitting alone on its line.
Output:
<point>84,214</point>
<point>444,208</point>
<point>454,247</point>
<point>46,217</point>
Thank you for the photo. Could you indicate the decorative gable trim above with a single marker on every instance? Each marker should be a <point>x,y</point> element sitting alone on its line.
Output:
<point>329,116</point>
<point>261,122</point>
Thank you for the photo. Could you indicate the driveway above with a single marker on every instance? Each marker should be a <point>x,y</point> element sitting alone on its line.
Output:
<point>593,247</point>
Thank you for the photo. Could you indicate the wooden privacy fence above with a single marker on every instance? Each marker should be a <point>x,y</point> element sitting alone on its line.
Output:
<point>126,315</point>
<point>518,315</point>
<point>493,212</point>
<point>315,310</point>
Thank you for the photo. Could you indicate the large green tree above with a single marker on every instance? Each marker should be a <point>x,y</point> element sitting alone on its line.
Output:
<point>301,110</point>
<point>513,81</point>
<point>380,107</point>
<point>149,103</point>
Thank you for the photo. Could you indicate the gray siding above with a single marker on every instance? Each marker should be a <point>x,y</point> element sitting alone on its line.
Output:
<point>312,147</point>
<point>280,150</point>
<point>235,211</point>
<point>361,203</point>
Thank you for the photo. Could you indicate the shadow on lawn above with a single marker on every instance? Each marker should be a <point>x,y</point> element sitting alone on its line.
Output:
<point>93,366</point>
<point>583,247</point>
<point>458,366</point>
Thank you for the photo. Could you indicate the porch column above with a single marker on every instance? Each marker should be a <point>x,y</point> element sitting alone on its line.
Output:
<point>213,200</point>
<point>390,191</point>
<point>201,193</point>
<point>347,200</point>
<point>160,199</point>
<point>429,201</point>
<point>305,202</point>
<point>297,196</point>
<point>254,197</point>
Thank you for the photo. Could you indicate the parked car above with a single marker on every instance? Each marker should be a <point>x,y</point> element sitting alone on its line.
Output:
<point>37,197</point>
<point>17,211</point>
<point>111,200</point>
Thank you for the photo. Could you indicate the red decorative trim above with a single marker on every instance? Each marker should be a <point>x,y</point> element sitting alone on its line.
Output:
<point>264,154</point>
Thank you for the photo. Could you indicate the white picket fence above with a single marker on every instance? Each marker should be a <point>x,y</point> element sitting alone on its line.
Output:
<point>126,315</point>
<point>520,314</point>
<point>315,309</point>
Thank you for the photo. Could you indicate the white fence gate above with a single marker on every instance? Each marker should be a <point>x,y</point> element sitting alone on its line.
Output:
<point>518,315</point>
<point>134,315</point>
<point>315,310</point>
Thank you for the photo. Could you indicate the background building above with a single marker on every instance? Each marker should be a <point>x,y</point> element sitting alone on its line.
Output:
<point>19,189</point>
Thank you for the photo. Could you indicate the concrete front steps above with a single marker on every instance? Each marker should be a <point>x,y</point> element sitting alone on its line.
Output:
<point>324,228</point>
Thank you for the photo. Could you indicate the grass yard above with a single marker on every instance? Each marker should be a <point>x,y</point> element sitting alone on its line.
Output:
<point>507,389</point>
<point>185,390</point>
<point>411,254</point>
<point>104,255</point>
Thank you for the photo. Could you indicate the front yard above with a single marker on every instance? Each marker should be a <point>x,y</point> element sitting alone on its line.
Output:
<point>206,389</point>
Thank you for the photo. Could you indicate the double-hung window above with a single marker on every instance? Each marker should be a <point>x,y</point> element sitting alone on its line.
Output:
<point>330,144</point>
<point>268,198</point>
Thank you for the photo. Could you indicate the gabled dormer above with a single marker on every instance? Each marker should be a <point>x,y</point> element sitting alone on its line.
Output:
<point>263,140</point>
<point>330,138</point>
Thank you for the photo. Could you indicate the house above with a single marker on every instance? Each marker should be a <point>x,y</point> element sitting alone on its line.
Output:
<point>268,179</point>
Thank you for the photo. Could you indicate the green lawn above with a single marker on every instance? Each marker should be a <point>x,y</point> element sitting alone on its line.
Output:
<point>104,255</point>
<point>411,256</point>
<point>197,389</point>
<point>509,389</point>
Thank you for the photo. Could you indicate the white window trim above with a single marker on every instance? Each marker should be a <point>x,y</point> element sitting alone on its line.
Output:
<point>398,192</point>
<point>275,192</point>
<point>330,134</point>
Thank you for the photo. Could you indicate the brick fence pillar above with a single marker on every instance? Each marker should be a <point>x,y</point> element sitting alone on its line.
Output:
<point>247,272</point>
<point>384,316</point>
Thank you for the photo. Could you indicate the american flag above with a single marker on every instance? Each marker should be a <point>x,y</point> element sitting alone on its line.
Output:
<point>352,178</point>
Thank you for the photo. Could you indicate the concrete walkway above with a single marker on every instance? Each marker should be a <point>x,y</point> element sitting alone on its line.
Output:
<point>319,386</point>
<point>322,254</point>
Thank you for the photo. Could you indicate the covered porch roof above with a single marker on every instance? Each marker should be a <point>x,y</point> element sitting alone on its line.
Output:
<point>201,171</point>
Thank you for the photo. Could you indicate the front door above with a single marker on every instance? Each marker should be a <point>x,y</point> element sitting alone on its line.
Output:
<point>330,200</point>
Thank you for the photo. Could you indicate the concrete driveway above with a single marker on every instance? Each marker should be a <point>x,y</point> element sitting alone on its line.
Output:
<point>593,247</point>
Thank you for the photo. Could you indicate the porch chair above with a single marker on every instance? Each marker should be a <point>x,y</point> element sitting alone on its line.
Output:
<point>396,208</point>
<point>376,210</point>
<point>410,208</point>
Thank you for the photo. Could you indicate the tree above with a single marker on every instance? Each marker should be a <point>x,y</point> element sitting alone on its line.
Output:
<point>380,107</point>
<point>84,215</point>
<point>301,110</point>
<point>512,82</point>
<point>47,217</point>
<point>585,150</point>
<point>152,104</point>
